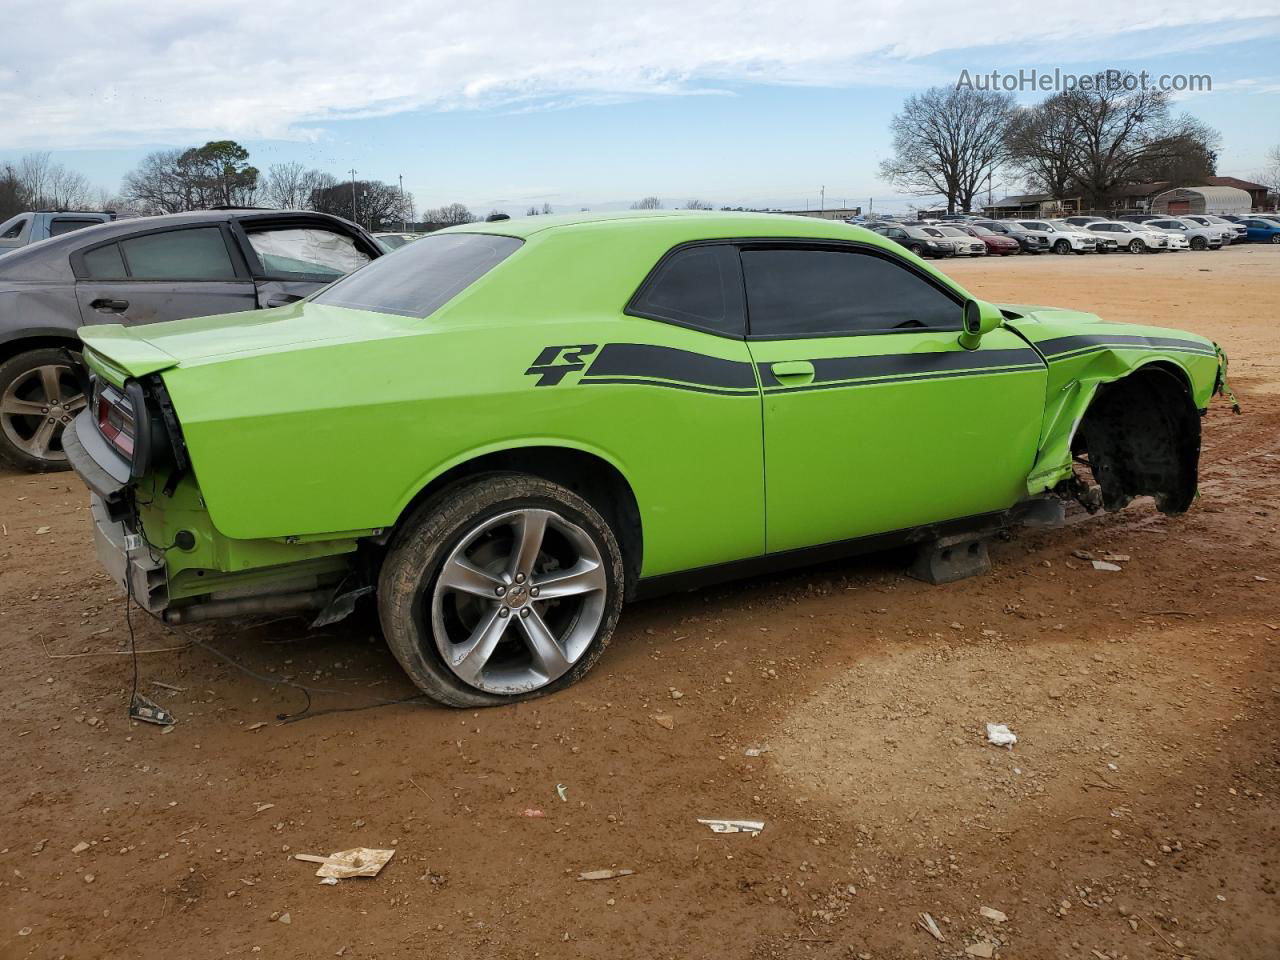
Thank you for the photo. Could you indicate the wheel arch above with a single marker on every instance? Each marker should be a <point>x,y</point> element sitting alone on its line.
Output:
<point>37,339</point>
<point>588,472</point>
<point>1141,432</point>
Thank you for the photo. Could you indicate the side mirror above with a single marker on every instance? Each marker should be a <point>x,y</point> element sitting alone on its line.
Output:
<point>980,318</point>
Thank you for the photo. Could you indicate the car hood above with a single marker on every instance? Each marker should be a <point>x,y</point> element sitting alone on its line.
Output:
<point>138,351</point>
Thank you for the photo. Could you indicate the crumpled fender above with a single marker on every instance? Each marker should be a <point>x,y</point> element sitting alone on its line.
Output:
<point>1083,353</point>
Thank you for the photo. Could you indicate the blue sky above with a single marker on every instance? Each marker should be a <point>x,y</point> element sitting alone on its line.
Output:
<point>504,104</point>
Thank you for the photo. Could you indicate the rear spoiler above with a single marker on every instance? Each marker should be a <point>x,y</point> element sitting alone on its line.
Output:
<point>118,353</point>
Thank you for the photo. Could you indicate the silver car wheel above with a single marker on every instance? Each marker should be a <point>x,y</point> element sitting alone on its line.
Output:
<point>518,601</point>
<point>37,406</point>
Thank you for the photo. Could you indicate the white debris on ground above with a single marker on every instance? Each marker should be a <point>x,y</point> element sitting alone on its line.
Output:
<point>1000,735</point>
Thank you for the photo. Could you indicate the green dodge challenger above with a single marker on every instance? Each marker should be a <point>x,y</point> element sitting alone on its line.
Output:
<point>506,429</point>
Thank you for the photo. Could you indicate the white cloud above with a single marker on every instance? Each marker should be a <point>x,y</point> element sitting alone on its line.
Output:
<point>78,73</point>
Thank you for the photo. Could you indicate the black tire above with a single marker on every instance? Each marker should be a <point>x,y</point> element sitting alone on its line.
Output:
<point>1199,243</point>
<point>1275,238</point>
<point>420,548</point>
<point>917,249</point>
<point>1137,246</point>
<point>1062,247</point>
<point>19,381</point>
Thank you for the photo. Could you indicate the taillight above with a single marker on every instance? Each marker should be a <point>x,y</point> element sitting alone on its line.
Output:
<point>124,420</point>
<point>117,420</point>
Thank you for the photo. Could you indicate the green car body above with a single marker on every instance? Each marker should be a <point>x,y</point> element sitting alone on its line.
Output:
<point>312,431</point>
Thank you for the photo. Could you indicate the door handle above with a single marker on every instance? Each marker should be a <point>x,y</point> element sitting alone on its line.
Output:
<point>792,372</point>
<point>105,305</point>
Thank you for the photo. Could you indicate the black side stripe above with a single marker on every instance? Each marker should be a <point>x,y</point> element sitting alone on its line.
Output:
<point>1074,344</point>
<point>693,388</point>
<point>668,363</point>
<point>909,365</point>
<point>948,375</point>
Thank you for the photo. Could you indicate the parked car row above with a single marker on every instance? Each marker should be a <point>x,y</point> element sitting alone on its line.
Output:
<point>969,235</point>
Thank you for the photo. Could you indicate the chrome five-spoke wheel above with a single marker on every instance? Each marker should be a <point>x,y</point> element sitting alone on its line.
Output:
<point>38,399</point>
<point>500,588</point>
<point>518,601</point>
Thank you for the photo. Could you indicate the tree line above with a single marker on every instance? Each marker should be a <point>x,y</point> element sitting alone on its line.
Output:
<point>35,182</point>
<point>954,142</point>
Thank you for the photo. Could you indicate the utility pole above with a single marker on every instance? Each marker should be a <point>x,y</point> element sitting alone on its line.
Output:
<point>355,216</point>
<point>822,200</point>
<point>403,226</point>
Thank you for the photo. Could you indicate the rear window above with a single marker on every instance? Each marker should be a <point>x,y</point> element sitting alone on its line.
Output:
<point>699,287</point>
<point>61,225</point>
<point>422,277</point>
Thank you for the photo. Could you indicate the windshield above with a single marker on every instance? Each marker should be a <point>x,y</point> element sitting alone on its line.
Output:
<point>422,277</point>
<point>953,231</point>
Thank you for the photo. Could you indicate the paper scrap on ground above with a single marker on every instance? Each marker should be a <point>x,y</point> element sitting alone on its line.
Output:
<point>752,827</point>
<point>356,862</point>
<point>1000,735</point>
<point>1104,565</point>
<point>928,924</point>
<point>992,914</point>
<point>605,874</point>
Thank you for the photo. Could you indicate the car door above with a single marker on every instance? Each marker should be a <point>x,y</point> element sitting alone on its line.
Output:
<point>875,418</point>
<point>162,274</point>
<point>291,258</point>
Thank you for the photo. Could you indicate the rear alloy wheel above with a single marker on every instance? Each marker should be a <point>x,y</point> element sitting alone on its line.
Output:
<point>39,395</point>
<point>917,249</point>
<point>506,588</point>
<point>1062,246</point>
<point>1275,238</point>
<point>1199,243</point>
<point>1137,246</point>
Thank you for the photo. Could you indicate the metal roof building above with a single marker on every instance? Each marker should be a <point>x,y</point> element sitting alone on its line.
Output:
<point>1217,200</point>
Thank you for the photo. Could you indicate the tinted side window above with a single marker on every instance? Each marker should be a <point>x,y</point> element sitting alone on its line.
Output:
<point>697,286</point>
<point>199,254</point>
<point>60,225</point>
<point>15,230</point>
<point>423,276</point>
<point>801,293</point>
<point>105,263</point>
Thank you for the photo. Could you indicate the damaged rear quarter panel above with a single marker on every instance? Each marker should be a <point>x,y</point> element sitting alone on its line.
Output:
<point>1083,353</point>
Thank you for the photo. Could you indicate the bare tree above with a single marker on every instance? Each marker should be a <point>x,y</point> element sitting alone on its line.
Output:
<point>1120,134</point>
<point>698,205</point>
<point>450,215</point>
<point>33,174</point>
<point>1042,146</point>
<point>11,200</point>
<point>647,203</point>
<point>288,185</point>
<point>378,205</point>
<point>948,141</point>
<point>67,189</point>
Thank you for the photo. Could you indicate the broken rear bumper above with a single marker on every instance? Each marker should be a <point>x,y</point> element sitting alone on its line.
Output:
<point>137,572</point>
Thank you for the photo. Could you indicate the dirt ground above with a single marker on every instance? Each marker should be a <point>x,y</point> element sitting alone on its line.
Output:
<point>1136,817</point>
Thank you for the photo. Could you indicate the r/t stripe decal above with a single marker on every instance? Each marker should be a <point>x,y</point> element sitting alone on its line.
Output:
<point>910,365</point>
<point>1075,344</point>
<point>668,363</point>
